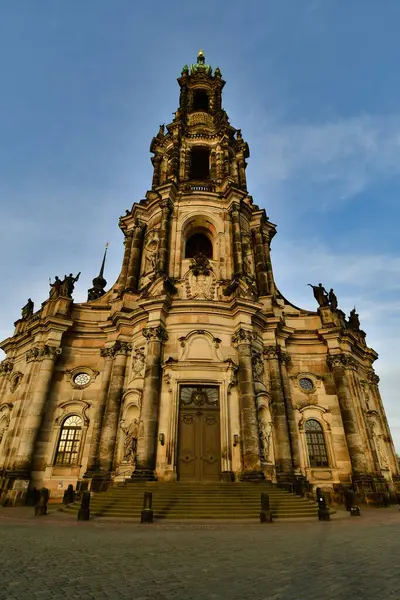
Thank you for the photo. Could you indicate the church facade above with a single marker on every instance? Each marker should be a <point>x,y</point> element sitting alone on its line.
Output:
<point>192,366</point>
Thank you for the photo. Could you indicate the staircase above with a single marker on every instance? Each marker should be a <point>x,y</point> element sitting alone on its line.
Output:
<point>197,501</point>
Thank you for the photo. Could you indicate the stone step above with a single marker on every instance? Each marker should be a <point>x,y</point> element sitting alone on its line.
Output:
<point>197,501</point>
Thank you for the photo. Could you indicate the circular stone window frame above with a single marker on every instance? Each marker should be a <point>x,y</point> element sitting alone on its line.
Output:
<point>81,371</point>
<point>311,378</point>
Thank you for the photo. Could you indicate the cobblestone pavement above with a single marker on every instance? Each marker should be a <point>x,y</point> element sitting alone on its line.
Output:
<point>57,557</point>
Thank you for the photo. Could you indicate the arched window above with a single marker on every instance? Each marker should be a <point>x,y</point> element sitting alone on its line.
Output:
<point>316,444</point>
<point>198,243</point>
<point>200,163</point>
<point>68,444</point>
<point>200,100</point>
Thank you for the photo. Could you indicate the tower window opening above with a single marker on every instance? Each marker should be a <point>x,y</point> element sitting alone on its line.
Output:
<point>200,163</point>
<point>198,243</point>
<point>200,100</point>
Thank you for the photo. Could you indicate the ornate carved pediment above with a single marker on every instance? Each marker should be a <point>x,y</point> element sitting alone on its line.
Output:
<point>200,281</point>
<point>77,407</point>
<point>200,345</point>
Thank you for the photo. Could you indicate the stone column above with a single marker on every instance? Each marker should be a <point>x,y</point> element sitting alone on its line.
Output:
<point>283,450</point>
<point>261,265</point>
<point>237,241</point>
<point>249,438</point>
<point>166,210</point>
<point>147,442</point>
<point>242,171</point>
<point>267,254</point>
<point>156,160</point>
<point>125,262</point>
<point>337,363</point>
<point>6,367</point>
<point>373,380</point>
<point>109,430</point>
<point>48,356</point>
<point>94,453</point>
<point>135,258</point>
<point>292,427</point>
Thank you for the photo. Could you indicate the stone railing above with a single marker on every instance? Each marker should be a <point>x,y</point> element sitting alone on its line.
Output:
<point>200,118</point>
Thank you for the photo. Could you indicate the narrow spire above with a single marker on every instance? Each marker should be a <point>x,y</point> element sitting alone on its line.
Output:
<point>104,261</point>
<point>99,282</point>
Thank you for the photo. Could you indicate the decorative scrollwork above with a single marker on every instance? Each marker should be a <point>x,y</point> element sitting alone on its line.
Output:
<point>158,333</point>
<point>372,377</point>
<point>118,348</point>
<point>199,396</point>
<point>277,352</point>
<point>258,367</point>
<point>345,361</point>
<point>243,336</point>
<point>6,366</point>
<point>46,352</point>
<point>187,419</point>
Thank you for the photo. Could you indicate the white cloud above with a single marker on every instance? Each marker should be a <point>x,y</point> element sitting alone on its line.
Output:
<point>348,153</point>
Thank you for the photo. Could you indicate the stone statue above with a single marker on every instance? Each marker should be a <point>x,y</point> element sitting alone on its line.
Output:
<point>68,284</point>
<point>27,310</point>
<point>130,442</point>
<point>332,299</point>
<point>265,431</point>
<point>320,294</point>
<point>354,321</point>
<point>55,288</point>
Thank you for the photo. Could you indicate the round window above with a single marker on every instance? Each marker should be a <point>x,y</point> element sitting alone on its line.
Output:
<point>81,379</point>
<point>306,384</point>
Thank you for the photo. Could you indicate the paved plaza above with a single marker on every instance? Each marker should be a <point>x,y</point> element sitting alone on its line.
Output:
<point>57,557</point>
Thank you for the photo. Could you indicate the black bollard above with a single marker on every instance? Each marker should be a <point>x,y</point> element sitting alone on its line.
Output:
<point>265,514</point>
<point>147,512</point>
<point>84,511</point>
<point>41,502</point>
<point>69,495</point>
<point>323,510</point>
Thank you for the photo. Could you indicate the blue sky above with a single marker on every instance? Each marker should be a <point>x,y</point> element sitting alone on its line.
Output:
<point>314,86</point>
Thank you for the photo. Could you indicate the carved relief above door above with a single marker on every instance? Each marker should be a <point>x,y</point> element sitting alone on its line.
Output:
<point>199,446</point>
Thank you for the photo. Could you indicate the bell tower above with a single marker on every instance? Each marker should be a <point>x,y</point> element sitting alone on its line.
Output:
<point>198,209</point>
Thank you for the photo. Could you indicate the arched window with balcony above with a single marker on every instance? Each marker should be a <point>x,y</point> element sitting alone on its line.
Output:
<point>316,446</point>
<point>69,441</point>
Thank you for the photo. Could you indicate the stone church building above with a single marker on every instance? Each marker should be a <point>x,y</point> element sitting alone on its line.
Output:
<point>192,366</point>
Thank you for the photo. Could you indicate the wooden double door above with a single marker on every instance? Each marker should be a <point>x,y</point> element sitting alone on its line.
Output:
<point>199,443</point>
